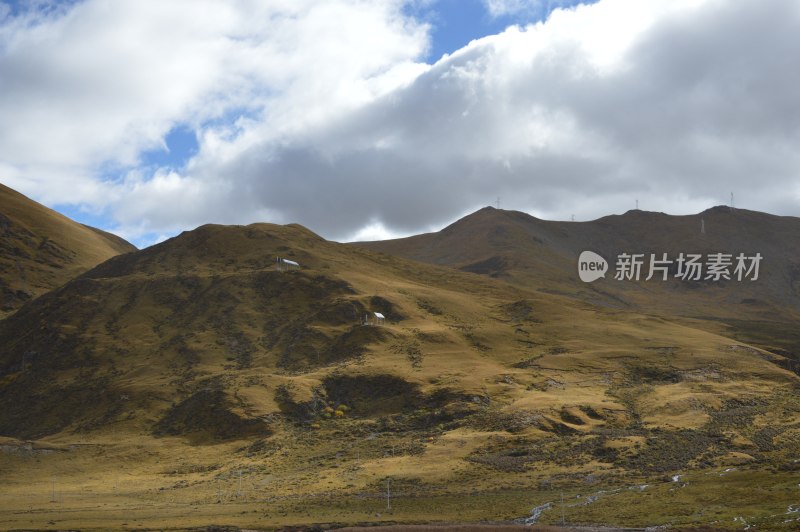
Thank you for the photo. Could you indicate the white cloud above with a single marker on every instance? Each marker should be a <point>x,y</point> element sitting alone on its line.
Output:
<point>597,106</point>
<point>90,88</point>
<point>374,231</point>
<point>676,102</point>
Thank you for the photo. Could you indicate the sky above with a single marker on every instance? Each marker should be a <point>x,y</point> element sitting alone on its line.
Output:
<point>371,119</point>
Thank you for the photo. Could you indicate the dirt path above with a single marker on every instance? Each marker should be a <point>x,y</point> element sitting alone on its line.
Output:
<point>483,528</point>
<point>505,528</point>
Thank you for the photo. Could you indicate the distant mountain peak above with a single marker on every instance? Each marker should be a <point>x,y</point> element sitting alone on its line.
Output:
<point>718,209</point>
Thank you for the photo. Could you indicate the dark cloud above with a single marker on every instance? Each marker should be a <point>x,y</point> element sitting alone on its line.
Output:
<point>672,102</point>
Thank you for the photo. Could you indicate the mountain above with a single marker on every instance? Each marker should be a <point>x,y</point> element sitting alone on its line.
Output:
<point>543,255</point>
<point>195,382</point>
<point>41,249</point>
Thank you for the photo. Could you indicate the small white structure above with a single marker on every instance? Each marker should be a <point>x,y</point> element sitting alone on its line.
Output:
<point>286,264</point>
<point>377,319</point>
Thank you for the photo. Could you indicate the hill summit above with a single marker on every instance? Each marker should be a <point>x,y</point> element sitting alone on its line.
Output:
<point>41,249</point>
<point>543,255</point>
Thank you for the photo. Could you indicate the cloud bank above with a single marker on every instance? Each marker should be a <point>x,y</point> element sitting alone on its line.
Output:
<point>322,113</point>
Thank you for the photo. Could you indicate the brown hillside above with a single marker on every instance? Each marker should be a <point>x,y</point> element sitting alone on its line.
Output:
<point>193,383</point>
<point>519,248</point>
<point>543,255</point>
<point>41,249</point>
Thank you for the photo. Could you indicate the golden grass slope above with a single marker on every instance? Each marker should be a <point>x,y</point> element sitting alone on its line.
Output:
<point>41,249</point>
<point>526,251</point>
<point>192,383</point>
<point>543,255</point>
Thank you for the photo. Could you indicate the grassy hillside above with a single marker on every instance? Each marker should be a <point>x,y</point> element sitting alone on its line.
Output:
<point>543,255</point>
<point>193,383</point>
<point>526,251</point>
<point>41,249</point>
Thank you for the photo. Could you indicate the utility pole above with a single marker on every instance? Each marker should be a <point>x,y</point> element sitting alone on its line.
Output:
<point>563,517</point>
<point>388,494</point>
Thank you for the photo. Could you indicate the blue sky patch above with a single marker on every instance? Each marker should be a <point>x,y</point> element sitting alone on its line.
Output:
<point>454,23</point>
<point>181,144</point>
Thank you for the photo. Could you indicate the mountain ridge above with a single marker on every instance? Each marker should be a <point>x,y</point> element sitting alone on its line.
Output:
<point>525,251</point>
<point>42,249</point>
<point>528,251</point>
<point>189,382</point>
